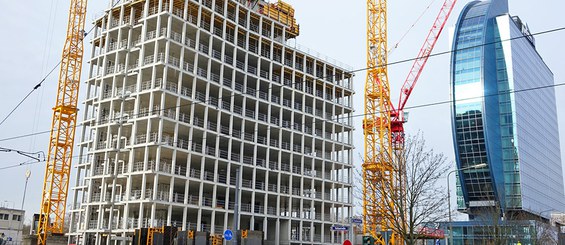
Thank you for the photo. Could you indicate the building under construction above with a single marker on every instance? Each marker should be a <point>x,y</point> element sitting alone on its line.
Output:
<point>183,94</point>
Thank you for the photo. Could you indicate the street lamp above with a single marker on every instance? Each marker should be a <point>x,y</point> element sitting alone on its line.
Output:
<point>28,174</point>
<point>480,165</point>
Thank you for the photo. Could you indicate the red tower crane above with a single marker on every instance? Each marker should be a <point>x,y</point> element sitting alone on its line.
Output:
<point>417,68</point>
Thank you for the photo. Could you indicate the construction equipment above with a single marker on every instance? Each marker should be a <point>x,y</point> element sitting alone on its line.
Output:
<point>383,125</point>
<point>192,237</point>
<point>151,234</point>
<point>282,12</point>
<point>377,170</point>
<point>249,237</point>
<point>164,235</point>
<point>217,239</point>
<point>61,141</point>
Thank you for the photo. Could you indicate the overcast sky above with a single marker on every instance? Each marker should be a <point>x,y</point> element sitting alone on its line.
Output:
<point>34,32</point>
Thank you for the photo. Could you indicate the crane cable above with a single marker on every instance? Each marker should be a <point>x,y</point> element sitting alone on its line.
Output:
<point>395,46</point>
<point>47,52</point>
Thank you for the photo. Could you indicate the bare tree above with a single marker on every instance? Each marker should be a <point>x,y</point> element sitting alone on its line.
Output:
<point>357,189</point>
<point>545,233</point>
<point>500,227</point>
<point>357,194</point>
<point>490,225</point>
<point>415,198</point>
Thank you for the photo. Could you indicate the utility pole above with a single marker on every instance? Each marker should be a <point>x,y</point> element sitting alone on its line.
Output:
<point>28,174</point>
<point>236,206</point>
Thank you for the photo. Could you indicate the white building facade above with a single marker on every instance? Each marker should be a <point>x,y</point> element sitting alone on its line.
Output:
<point>180,94</point>
<point>11,225</point>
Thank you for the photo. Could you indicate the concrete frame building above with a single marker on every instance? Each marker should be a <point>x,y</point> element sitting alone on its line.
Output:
<point>180,94</point>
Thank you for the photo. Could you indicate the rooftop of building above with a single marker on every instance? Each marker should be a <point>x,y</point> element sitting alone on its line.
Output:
<point>276,10</point>
<point>5,208</point>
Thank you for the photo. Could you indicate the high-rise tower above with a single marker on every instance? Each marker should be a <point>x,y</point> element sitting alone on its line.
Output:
<point>502,117</point>
<point>182,93</point>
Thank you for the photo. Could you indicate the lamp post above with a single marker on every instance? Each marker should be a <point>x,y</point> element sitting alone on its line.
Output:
<point>28,174</point>
<point>236,206</point>
<point>480,165</point>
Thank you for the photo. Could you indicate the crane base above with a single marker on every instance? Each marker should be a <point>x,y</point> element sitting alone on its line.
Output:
<point>51,240</point>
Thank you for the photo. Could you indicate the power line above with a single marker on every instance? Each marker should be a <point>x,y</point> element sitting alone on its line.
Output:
<point>460,49</point>
<point>352,116</point>
<point>361,115</point>
<point>367,68</point>
<point>352,71</point>
<point>31,155</point>
<point>175,143</point>
<point>269,126</point>
<point>46,76</point>
<point>476,97</point>
<point>158,143</point>
<point>20,164</point>
<point>28,135</point>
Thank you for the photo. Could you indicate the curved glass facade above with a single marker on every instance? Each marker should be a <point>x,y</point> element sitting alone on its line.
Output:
<point>468,90</point>
<point>494,125</point>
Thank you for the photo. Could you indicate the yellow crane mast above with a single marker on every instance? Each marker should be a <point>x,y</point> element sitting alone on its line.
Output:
<point>378,171</point>
<point>383,125</point>
<point>61,141</point>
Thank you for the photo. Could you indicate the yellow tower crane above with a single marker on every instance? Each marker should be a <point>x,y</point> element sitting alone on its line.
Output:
<point>61,141</point>
<point>378,172</point>
<point>383,124</point>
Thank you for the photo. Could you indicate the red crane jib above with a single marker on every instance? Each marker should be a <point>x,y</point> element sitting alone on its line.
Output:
<point>422,58</point>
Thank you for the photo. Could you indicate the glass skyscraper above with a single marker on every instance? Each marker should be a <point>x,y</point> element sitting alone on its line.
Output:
<point>504,115</point>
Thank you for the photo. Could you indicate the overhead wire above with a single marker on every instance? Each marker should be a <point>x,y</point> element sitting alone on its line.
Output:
<point>25,153</point>
<point>352,71</point>
<point>192,139</point>
<point>460,49</point>
<point>477,97</point>
<point>21,164</point>
<point>46,76</point>
<point>352,116</point>
<point>28,135</point>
